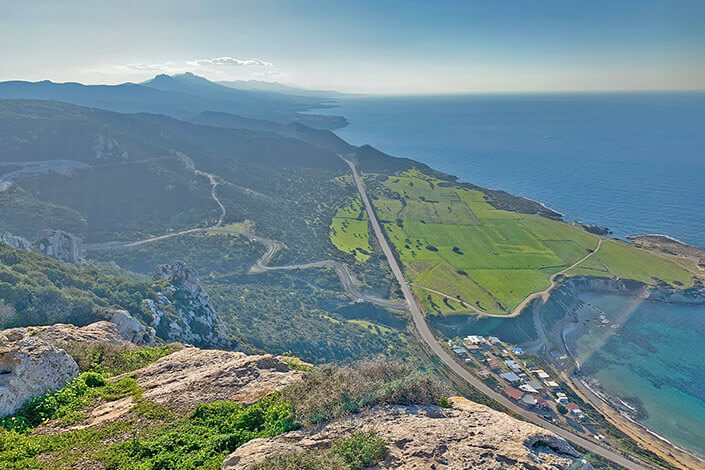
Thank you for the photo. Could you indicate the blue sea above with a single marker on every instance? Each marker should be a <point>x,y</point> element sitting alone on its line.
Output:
<point>632,162</point>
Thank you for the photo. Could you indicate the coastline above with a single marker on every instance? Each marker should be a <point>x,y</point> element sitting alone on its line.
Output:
<point>601,399</point>
<point>619,413</point>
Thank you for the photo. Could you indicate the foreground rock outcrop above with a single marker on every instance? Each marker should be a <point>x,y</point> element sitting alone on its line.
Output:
<point>424,437</point>
<point>33,361</point>
<point>60,245</point>
<point>29,367</point>
<point>192,376</point>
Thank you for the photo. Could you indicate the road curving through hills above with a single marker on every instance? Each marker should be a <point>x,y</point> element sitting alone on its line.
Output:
<point>347,279</point>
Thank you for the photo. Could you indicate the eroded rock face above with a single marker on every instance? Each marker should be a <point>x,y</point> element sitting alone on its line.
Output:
<point>197,323</point>
<point>422,437</point>
<point>131,329</point>
<point>60,245</point>
<point>29,367</point>
<point>100,332</point>
<point>192,376</point>
<point>15,241</point>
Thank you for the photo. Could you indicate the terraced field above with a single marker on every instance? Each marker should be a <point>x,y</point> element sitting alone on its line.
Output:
<point>452,241</point>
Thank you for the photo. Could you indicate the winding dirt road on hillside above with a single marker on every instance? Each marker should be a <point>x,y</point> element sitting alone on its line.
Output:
<point>427,336</point>
<point>262,264</point>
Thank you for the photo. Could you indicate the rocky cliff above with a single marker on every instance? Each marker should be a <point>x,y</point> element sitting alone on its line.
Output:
<point>178,386</point>
<point>192,376</point>
<point>33,361</point>
<point>421,437</point>
<point>60,245</point>
<point>15,241</point>
<point>180,290</point>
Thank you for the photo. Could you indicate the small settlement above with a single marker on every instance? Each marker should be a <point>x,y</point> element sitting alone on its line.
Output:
<point>502,367</point>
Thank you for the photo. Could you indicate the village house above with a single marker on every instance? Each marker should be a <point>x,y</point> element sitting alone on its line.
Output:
<point>541,374</point>
<point>513,393</point>
<point>461,352</point>
<point>510,377</point>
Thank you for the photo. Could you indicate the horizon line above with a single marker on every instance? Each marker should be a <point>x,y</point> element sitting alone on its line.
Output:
<point>323,88</point>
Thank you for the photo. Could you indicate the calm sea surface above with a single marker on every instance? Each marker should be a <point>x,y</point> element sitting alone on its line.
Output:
<point>632,162</point>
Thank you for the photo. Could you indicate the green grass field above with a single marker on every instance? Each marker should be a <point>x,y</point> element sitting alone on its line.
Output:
<point>349,231</point>
<point>450,240</point>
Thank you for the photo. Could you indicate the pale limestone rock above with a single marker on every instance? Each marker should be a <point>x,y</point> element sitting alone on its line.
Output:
<point>423,437</point>
<point>15,241</point>
<point>29,367</point>
<point>60,245</point>
<point>131,329</point>
<point>199,324</point>
<point>192,376</point>
<point>59,333</point>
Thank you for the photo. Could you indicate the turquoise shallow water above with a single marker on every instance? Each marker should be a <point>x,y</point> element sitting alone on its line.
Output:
<point>653,360</point>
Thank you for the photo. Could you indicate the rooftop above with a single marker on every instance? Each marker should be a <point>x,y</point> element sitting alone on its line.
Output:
<point>510,377</point>
<point>512,392</point>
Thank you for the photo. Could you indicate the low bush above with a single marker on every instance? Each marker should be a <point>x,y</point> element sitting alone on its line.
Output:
<point>68,401</point>
<point>115,359</point>
<point>360,450</point>
<point>330,392</point>
<point>204,438</point>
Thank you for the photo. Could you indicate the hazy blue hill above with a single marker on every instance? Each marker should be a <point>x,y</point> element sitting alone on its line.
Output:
<point>318,137</point>
<point>213,118</point>
<point>261,148</point>
<point>258,85</point>
<point>199,86</point>
<point>137,176</point>
<point>180,96</point>
<point>47,130</point>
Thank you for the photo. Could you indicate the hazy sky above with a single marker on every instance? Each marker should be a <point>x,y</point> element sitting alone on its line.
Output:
<point>381,46</point>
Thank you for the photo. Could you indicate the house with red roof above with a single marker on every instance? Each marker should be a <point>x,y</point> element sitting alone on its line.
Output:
<point>512,392</point>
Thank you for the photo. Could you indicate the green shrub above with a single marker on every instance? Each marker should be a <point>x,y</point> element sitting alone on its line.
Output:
<point>66,402</point>
<point>330,392</point>
<point>115,359</point>
<point>204,438</point>
<point>93,379</point>
<point>360,450</point>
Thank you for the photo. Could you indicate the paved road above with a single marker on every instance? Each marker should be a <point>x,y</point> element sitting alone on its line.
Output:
<point>427,336</point>
<point>62,167</point>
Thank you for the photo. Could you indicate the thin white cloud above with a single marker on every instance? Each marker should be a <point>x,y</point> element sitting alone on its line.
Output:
<point>230,61</point>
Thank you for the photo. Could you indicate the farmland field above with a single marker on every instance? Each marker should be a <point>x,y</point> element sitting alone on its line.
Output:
<point>449,239</point>
<point>349,232</point>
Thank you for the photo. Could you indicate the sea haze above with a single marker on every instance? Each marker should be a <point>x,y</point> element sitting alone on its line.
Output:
<point>634,162</point>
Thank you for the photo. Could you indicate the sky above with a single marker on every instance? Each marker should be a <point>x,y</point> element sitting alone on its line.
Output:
<point>379,46</point>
